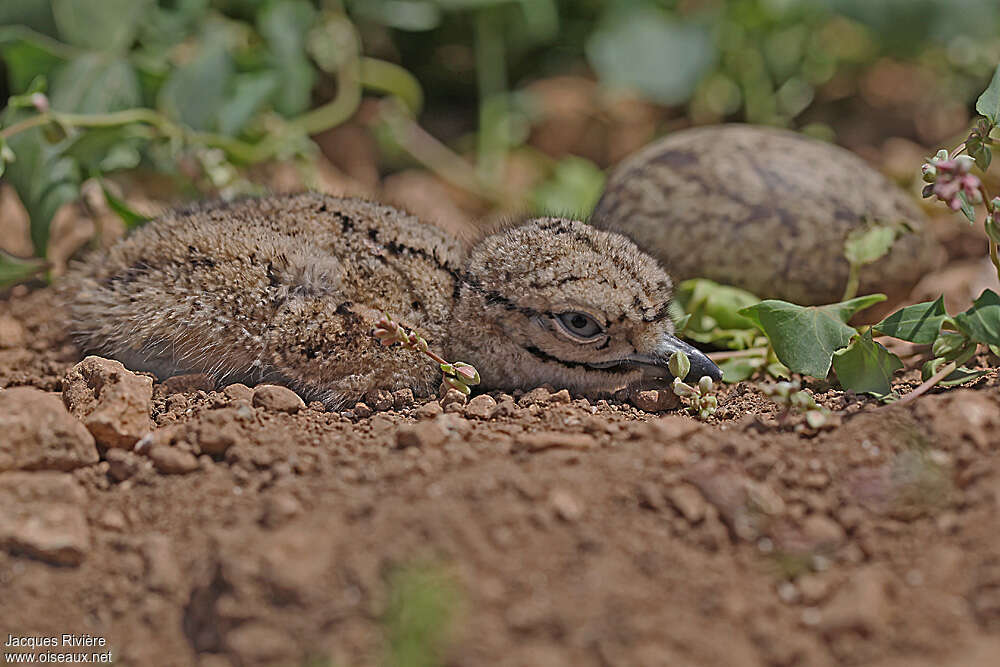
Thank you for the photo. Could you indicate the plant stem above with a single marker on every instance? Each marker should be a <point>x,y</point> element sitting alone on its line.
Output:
<point>434,155</point>
<point>990,210</point>
<point>853,282</point>
<point>491,78</point>
<point>926,386</point>
<point>737,354</point>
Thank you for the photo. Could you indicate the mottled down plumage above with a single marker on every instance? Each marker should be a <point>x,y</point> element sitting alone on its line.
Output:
<point>287,289</point>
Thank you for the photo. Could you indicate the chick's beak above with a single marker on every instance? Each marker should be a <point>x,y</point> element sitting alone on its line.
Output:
<point>656,363</point>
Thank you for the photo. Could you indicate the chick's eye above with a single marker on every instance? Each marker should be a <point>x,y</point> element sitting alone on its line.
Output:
<point>580,325</point>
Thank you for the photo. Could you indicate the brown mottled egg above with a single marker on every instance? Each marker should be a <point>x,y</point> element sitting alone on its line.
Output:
<point>764,209</point>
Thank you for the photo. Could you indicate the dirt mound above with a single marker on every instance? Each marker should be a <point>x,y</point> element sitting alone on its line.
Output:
<point>244,528</point>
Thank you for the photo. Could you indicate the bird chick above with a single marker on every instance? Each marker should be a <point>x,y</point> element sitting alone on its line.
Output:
<point>287,289</point>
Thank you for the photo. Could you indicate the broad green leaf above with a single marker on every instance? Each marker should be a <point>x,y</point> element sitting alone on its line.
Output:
<point>704,298</point>
<point>194,94</point>
<point>737,370</point>
<point>128,215</point>
<point>805,338</point>
<point>865,367</point>
<point>35,14</point>
<point>415,16</point>
<point>950,345</point>
<point>25,60</point>
<point>96,150</point>
<point>14,270</point>
<point>648,50</point>
<point>982,321</point>
<point>43,178</point>
<point>572,190</point>
<point>919,323</point>
<point>864,246</point>
<point>95,84</point>
<point>107,26</point>
<point>251,93</point>
<point>983,156</point>
<point>284,25</point>
<point>988,103</point>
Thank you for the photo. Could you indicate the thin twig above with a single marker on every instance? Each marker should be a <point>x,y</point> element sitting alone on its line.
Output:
<point>434,155</point>
<point>926,386</point>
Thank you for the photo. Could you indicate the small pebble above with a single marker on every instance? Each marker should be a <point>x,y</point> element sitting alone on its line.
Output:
<point>275,398</point>
<point>481,407</point>
<point>172,460</point>
<point>429,410</point>
<point>453,397</point>
<point>402,398</point>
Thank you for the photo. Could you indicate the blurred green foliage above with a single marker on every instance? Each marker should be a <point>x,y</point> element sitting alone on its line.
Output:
<point>100,86</point>
<point>423,601</point>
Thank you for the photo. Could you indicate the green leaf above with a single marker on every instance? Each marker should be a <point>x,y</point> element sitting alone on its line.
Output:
<point>737,370</point>
<point>983,157</point>
<point>7,155</point>
<point>967,209</point>
<point>43,178</point>
<point>722,303</point>
<point>647,49</point>
<point>992,230</point>
<point>251,93</point>
<point>988,103</point>
<point>572,190</point>
<point>195,93</point>
<point>805,338</point>
<point>867,245</point>
<point>14,270</point>
<point>36,14</point>
<point>98,149</point>
<point>99,25</point>
<point>284,25</point>
<point>25,60</point>
<point>128,215</point>
<point>961,376</point>
<point>865,367</point>
<point>95,84</point>
<point>919,323</point>
<point>981,322</point>
<point>415,16</point>
<point>950,345</point>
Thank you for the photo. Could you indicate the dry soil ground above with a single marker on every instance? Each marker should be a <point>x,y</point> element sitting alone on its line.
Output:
<point>247,530</point>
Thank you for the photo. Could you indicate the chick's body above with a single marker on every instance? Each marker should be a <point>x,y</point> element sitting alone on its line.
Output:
<point>280,289</point>
<point>288,289</point>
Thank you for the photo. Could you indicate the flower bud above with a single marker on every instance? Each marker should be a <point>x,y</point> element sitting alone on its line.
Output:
<point>941,155</point>
<point>455,383</point>
<point>682,389</point>
<point>929,171</point>
<point>40,102</point>
<point>466,372</point>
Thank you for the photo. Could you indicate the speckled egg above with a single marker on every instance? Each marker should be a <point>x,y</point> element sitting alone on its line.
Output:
<point>764,209</point>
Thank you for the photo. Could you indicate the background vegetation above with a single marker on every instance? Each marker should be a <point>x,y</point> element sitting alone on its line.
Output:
<point>508,104</point>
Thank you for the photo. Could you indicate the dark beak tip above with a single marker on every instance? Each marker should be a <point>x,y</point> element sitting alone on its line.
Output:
<point>702,366</point>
